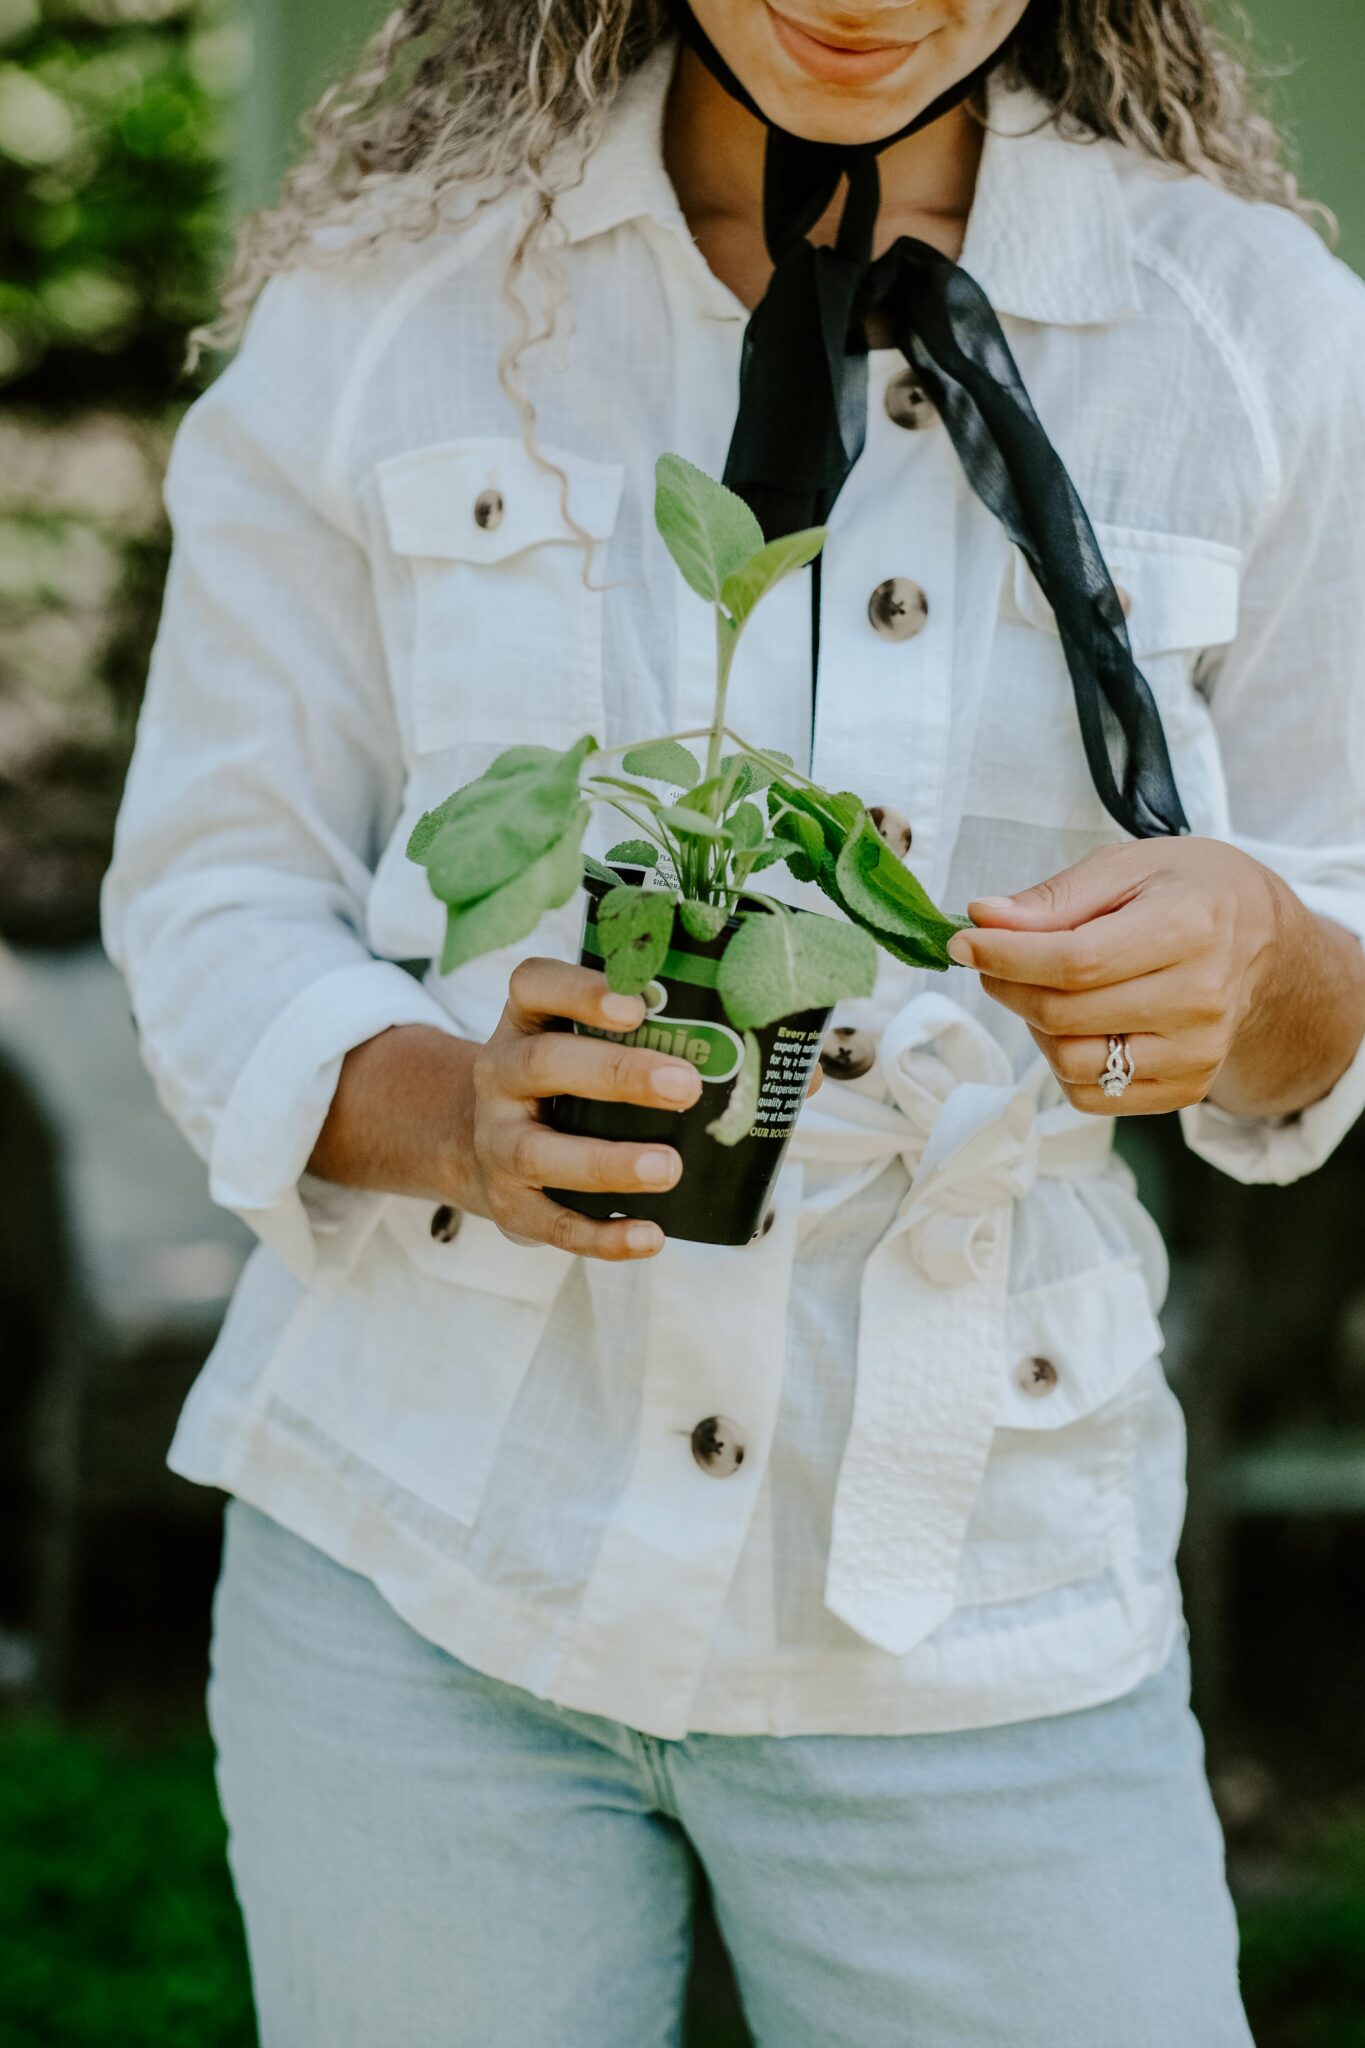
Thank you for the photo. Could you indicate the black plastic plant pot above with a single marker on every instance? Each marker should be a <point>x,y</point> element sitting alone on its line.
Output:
<point>725,1193</point>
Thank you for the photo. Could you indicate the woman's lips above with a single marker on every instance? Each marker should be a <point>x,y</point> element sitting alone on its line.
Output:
<point>832,63</point>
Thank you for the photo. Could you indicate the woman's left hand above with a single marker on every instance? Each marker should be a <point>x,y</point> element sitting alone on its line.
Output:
<point>1169,942</point>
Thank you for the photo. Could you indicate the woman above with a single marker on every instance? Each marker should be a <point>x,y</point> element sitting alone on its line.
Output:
<point>562,1561</point>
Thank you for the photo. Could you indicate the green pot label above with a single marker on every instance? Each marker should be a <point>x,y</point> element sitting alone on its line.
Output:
<point>714,1050</point>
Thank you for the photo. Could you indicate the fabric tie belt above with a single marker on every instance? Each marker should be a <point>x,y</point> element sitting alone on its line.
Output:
<point>931,1328</point>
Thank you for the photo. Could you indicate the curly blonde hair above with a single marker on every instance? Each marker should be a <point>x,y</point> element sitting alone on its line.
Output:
<point>458,102</point>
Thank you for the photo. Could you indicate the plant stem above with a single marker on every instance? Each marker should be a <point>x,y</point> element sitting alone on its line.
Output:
<point>779,768</point>
<point>700,732</point>
<point>727,639</point>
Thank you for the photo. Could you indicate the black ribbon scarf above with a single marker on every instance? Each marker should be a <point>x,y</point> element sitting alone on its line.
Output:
<point>803,414</point>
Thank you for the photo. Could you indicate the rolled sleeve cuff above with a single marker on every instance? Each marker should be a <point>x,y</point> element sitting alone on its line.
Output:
<point>1277,1150</point>
<point>271,1121</point>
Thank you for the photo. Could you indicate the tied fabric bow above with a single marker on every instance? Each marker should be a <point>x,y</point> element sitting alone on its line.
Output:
<point>803,410</point>
<point>931,1319</point>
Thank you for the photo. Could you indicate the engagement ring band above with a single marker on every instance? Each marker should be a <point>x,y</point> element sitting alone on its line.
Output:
<point>1118,1068</point>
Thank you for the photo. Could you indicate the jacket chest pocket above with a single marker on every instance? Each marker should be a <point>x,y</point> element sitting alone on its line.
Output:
<point>1180,596</point>
<point>505,641</point>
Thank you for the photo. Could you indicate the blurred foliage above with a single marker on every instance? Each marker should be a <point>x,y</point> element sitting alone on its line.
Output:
<point>111,163</point>
<point>118,1923</point>
<point>117,1920</point>
<point>113,148</point>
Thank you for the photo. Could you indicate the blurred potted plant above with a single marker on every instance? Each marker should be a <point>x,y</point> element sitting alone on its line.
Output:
<point>736,981</point>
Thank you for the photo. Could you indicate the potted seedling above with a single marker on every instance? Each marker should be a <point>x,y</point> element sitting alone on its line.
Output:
<point>733,980</point>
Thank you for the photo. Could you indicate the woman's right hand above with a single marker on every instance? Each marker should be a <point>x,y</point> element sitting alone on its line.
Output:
<point>513,1155</point>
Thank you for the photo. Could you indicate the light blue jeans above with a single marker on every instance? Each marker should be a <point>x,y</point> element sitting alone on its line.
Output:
<point>428,1858</point>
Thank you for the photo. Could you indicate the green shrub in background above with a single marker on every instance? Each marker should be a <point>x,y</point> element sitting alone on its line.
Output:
<point>113,151</point>
<point>112,147</point>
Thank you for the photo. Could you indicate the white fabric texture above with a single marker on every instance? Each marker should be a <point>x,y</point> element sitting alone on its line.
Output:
<point>929,1528</point>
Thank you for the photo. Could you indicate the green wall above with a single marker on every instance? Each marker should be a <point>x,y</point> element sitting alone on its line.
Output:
<point>1319,45</point>
<point>300,47</point>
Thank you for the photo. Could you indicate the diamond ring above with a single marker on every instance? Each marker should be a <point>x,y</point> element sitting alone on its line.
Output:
<point>1118,1068</point>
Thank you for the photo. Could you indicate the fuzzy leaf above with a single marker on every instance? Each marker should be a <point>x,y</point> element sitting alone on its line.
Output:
<point>635,853</point>
<point>744,826</point>
<point>780,962</point>
<point>881,893</point>
<point>633,929</point>
<point>663,761</point>
<point>744,586</point>
<point>703,920</point>
<point>736,1119</point>
<point>836,815</point>
<point>491,830</point>
<point>751,776</point>
<point>638,790</point>
<point>599,872</point>
<point>692,824</point>
<point>513,911</point>
<point>708,530</point>
<point>806,840</point>
<point>705,794</point>
<point>767,854</point>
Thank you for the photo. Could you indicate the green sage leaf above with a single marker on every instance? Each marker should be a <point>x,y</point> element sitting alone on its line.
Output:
<point>703,920</point>
<point>836,815</point>
<point>881,892</point>
<point>708,530</point>
<point>807,842</point>
<point>754,860</point>
<point>751,776</point>
<point>744,826</point>
<point>780,962</point>
<point>493,829</point>
<point>512,911</point>
<point>753,579</point>
<point>662,761</point>
<point>692,824</point>
<point>634,926</point>
<point>737,1118</point>
<point>599,872</point>
<point>637,853</point>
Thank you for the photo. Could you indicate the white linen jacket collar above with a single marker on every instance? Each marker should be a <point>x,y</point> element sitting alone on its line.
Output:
<point>961,1490</point>
<point>1031,178</point>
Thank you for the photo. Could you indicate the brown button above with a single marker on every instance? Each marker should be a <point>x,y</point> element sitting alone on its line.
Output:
<point>898,608</point>
<point>488,509</point>
<point>445,1223</point>
<point>1036,1377</point>
<point>716,1446</point>
<point>847,1054</point>
<point>908,403</point>
<point>894,827</point>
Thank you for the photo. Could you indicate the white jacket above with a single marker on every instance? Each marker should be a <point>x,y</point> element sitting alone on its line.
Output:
<point>963,1482</point>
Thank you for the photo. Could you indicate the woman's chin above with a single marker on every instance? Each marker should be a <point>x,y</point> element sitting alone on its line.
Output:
<point>811,91</point>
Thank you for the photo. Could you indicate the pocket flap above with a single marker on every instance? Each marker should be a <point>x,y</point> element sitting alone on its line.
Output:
<point>477,1255</point>
<point>1073,1344</point>
<point>430,496</point>
<point>1182,592</point>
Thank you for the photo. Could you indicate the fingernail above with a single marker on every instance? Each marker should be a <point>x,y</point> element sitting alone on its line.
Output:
<point>644,1237</point>
<point>658,1168</point>
<point>960,949</point>
<point>624,1010</point>
<point>994,906</point>
<point>675,1084</point>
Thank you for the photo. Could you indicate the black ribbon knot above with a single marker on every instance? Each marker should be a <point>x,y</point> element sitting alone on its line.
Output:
<point>802,421</point>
